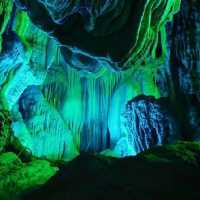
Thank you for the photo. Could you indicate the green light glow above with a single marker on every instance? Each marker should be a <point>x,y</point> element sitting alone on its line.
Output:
<point>74,111</point>
<point>5,13</point>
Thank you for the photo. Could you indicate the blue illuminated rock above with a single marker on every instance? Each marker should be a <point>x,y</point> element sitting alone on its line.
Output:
<point>148,122</point>
<point>116,32</point>
<point>185,67</point>
<point>62,81</point>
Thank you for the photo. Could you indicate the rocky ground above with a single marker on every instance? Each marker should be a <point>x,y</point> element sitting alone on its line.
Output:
<point>17,177</point>
<point>167,172</point>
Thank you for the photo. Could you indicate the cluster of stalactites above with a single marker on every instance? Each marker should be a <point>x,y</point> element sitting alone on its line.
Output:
<point>90,10</point>
<point>151,33</point>
<point>106,22</point>
<point>56,111</point>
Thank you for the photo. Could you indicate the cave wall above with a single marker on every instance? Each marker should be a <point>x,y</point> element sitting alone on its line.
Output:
<point>67,97</point>
<point>185,68</point>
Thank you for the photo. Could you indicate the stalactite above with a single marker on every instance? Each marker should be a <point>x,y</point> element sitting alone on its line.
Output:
<point>64,99</point>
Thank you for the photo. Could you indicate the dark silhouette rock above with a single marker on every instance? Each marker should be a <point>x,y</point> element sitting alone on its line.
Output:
<point>167,172</point>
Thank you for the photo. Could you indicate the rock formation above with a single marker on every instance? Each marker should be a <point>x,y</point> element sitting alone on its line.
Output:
<point>72,72</point>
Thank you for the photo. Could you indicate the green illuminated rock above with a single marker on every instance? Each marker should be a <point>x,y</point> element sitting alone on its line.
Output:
<point>121,32</point>
<point>5,13</point>
<point>5,129</point>
<point>62,80</point>
<point>17,177</point>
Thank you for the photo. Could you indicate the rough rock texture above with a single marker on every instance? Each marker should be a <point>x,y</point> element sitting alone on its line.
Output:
<point>167,172</point>
<point>17,177</point>
<point>63,104</point>
<point>179,77</point>
<point>185,67</point>
<point>5,129</point>
<point>40,89</point>
<point>91,29</point>
<point>148,122</point>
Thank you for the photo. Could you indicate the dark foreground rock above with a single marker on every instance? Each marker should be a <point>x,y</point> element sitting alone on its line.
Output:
<point>168,172</point>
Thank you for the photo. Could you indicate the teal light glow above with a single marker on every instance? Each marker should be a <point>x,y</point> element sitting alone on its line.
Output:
<point>59,111</point>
